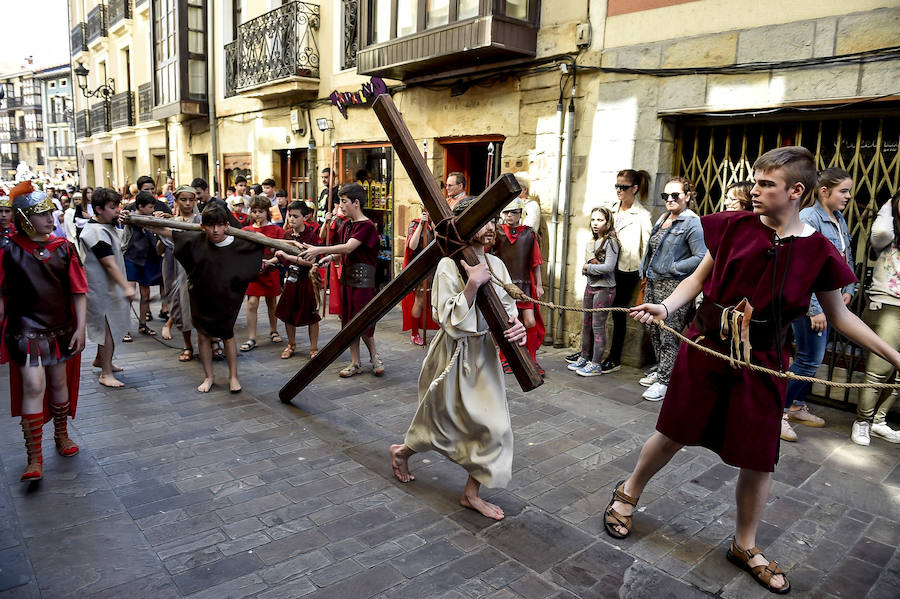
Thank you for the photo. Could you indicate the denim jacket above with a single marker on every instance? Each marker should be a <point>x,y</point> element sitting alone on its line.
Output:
<point>681,250</point>
<point>816,216</point>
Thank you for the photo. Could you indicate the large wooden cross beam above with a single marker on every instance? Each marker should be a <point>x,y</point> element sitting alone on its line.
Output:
<point>499,194</point>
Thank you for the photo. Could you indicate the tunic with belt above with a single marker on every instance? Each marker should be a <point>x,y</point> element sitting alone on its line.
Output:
<point>462,401</point>
<point>736,412</point>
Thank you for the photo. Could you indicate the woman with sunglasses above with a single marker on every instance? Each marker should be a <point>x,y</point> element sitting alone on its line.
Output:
<point>633,224</point>
<point>675,250</point>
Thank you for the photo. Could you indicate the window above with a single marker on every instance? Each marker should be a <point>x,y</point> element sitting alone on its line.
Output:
<point>466,9</point>
<point>166,56</point>
<point>52,85</point>
<point>437,13</point>
<point>196,48</point>
<point>407,17</point>
<point>237,7</point>
<point>63,82</point>
<point>517,9</point>
<point>381,21</point>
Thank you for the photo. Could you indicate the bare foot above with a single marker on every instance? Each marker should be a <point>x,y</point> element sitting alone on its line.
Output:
<point>488,510</point>
<point>234,385</point>
<point>108,380</point>
<point>400,463</point>
<point>96,364</point>
<point>166,331</point>
<point>205,385</point>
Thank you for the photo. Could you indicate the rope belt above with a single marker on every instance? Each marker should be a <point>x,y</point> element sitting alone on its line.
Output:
<point>734,326</point>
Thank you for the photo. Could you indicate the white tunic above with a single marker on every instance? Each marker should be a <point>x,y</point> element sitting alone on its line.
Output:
<point>464,414</point>
<point>106,301</point>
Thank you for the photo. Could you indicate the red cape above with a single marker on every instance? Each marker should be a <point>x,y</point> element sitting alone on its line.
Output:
<point>406,304</point>
<point>535,335</point>
<point>73,365</point>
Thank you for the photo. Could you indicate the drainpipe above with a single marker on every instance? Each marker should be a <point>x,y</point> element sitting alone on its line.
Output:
<point>553,230</point>
<point>212,164</point>
<point>559,335</point>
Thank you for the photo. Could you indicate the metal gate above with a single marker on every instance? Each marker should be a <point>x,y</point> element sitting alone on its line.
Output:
<point>715,155</point>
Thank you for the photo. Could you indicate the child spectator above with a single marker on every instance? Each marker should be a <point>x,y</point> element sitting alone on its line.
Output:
<point>267,284</point>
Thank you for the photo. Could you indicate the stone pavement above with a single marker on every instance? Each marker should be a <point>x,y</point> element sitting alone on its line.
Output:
<point>177,494</point>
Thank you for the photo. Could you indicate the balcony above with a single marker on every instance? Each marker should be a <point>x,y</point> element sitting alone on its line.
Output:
<point>118,11</point>
<point>145,102</point>
<point>121,110</point>
<point>82,124</point>
<point>458,48</point>
<point>99,116</point>
<point>27,134</point>
<point>9,162</point>
<point>61,152</point>
<point>79,38</point>
<point>96,24</point>
<point>58,118</point>
<point>276,53</point>
<point>13,102</point>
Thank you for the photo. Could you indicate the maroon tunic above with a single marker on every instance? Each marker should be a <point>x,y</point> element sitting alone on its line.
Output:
<point>268,283</point>
<point>734,411</point>
<point>354,299</point>
<point>297,305</point>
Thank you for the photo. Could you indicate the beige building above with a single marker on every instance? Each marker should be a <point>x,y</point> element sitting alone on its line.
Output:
<point>670,86</point>
<point>21,128</point>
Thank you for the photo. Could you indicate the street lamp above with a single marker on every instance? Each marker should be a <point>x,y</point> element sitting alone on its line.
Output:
<point>106,90</point>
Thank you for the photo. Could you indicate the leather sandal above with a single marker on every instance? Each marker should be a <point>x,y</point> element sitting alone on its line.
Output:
<point>288,351</point>
<point>762,574</point>
<point>612,518</point>
<point>275,337</point>
<point>186,355</point>
<point>248,344</point>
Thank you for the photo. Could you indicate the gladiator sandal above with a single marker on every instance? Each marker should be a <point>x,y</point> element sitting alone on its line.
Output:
<point>762,573</point>
<point>612,518</point>
<point>33,430</point>
<point>64,445</point>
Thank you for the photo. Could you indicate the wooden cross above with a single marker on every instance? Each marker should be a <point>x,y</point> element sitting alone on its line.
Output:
<point>500,193</point>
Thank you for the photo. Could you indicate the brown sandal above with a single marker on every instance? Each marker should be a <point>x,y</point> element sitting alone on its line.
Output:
<point>288,351</point>
<point>763,573</point>
<point>612,518</point>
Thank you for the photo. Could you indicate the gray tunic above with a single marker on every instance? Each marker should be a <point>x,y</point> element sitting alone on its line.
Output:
<point>106,303</point>
<point>177,283</point>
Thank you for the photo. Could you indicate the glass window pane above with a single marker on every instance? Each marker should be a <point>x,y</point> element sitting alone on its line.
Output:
<point>196,18</point>
<point>518,9</point>
<point>466,9</point>
<point>195,43</point>
<point>407,17</point>
<point>437,13</point>
<point>197,76</point>
<point>381,21</point>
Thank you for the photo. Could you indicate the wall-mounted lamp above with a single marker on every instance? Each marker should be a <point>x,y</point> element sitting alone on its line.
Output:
<point>324,124</point>
<point>106,90</point>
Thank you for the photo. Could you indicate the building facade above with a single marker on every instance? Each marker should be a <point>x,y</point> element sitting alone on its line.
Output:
<point>21,125</point>
<point>58,118</point>
<point>568,92</point>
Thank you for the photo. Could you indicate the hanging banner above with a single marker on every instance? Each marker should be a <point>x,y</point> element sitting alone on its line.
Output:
<point>366,95</point>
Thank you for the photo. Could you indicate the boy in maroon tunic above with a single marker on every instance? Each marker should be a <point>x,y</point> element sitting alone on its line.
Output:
<point>298,306</point>
<point>359,247</point>
<point>757,276</point>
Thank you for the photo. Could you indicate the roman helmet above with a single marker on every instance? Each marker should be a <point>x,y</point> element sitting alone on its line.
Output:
<point>27,201</point>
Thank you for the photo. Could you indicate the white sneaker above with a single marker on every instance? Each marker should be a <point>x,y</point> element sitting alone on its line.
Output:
<point>656,392</point>
<point>579,363</point>
<point>787,431</point>
<point>882,430</point>
<point>859,434</point>
<point>649,379</point>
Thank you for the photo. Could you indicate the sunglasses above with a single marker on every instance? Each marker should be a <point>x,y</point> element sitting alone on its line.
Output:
<point>622,187</point>
<point>674,195</point>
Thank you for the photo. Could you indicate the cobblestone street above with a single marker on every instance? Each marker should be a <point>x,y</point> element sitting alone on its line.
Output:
<point>178,494</point>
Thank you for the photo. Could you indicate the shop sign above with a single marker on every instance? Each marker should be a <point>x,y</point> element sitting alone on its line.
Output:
<point>366,95</point>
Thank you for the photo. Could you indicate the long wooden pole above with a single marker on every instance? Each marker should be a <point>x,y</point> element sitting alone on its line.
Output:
<point>331,179</point>
<point>168,223</point>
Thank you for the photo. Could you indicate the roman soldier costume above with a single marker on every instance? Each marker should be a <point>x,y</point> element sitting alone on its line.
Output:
<point>519,248</point>
<point>426,320</point>
<point>38,281</point>
<point>9,230</point>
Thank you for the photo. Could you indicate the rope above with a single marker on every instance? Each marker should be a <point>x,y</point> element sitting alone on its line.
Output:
<point>520,296</point>
<point>462,347</point>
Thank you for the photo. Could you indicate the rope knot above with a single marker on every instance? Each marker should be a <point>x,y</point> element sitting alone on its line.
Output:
<point>448,237</point>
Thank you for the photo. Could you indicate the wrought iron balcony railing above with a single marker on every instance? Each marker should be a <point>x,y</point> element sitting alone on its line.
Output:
<point>14,102</point>
<point>27,134</point>
<point>276,45</point>
<point>9,162</point>
<point>121,110</point>
<point>119,10</point>
<point>145,102</point>
<point>58,117</point>
<point>231,53</point>
<point>61,151</point>
<point>82,124</point>
<point>100,118</point>
<point>97,24</point>
<point>79,38</point>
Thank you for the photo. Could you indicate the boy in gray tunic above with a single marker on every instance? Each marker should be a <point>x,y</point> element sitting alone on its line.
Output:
<point>109,294</point>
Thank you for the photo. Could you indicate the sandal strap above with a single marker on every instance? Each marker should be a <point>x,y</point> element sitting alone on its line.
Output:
<point>620,519</point>
<point>624,497</point>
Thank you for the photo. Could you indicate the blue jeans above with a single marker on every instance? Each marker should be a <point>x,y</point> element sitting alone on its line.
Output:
<point>810,353</point>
